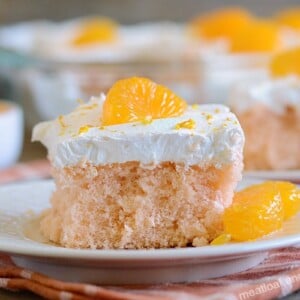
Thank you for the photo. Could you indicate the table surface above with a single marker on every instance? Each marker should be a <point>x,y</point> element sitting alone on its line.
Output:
<point>36,151</point>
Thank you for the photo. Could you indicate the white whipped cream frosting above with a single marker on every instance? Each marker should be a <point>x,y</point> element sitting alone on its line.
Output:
<point>274,93</point>
<point>217,138</point>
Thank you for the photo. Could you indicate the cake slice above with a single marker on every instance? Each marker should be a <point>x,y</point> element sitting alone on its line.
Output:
<point>269,112</point>
<point>140,169</point>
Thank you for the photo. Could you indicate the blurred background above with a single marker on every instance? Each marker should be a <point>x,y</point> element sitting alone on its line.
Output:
<point>50,56</point>
<point>128,11</point>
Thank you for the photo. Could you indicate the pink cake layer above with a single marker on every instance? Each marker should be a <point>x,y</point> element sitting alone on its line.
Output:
<point>130,206</point>
<point>272,140</point>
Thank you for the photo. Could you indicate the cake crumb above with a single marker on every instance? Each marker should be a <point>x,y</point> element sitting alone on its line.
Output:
<point>199,241</point>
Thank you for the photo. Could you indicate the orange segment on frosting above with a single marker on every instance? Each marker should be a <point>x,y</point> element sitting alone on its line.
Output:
<point>221,24</point>
<point>139,99</point>
<point>286,63</point>
<point>255,212</point>
<point>290,17</point>
<point>257,36</point>
<point>96,31</point>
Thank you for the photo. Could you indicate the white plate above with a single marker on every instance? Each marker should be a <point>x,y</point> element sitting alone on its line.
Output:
<point>20,204</point>
<point>292,175</point>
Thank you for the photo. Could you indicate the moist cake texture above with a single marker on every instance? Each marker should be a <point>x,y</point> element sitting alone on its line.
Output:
<point>128,206</point>
<point>157,184</point>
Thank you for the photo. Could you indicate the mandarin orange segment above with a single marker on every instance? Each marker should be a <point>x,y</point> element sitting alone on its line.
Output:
<point>220,24</point>
<point>140,99</point>
<point>222,239</point>
<point>255,212</point>
<point>286,63</point>
<point>290,17</point>
<point>290,196</point>
<point>96,31</point>
<point>257,36</point>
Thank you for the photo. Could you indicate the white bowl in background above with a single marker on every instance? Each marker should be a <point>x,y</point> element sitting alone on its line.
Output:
<point>11,133</point>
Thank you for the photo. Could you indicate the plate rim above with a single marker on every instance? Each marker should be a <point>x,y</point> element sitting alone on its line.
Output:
<point>39,250</point>
<point>273,174</point>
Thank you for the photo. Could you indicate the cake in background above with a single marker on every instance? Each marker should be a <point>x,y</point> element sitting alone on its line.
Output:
<point>220,26</point>
<point>160,173</point>
<point>83,57</point>
<point>98,39</point>
<point>247,44</point>
<point>200,60</point>
<point>269,112</point>
<point>289,20</point>
<point>289,17</point>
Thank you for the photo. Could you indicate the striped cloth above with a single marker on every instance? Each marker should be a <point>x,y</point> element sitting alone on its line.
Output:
<point>277,276</point>
<point>36,169</point>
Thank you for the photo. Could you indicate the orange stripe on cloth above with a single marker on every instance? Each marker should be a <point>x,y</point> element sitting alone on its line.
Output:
<point>36,169</point>
<point>242,286</point>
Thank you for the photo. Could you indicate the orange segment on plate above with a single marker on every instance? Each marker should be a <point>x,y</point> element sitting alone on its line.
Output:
<point>290,17</point>
<point>222,239</point>
<point>139,99</point>
<point>261,209</point>
<point>290,196</point>
<point>221,24</point>
<point>255,212</point>
<point>94,31</point>
<point>286,63</point>
<point>257,36</point>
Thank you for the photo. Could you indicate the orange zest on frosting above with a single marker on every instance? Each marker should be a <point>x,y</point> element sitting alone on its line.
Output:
<point>208,117</point>
<point>138,99</point>
<point>62,124</point>
<point>88,107</point>
<point>61,121</point>
<point>188,124</point>
<point>84,129</point>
